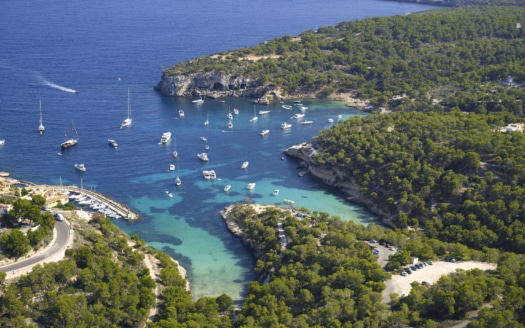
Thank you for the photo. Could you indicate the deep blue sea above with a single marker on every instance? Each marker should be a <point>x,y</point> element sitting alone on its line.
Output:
<point>48,49</point>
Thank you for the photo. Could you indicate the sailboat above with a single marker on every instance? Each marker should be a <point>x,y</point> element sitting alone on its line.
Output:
<point>70,142</point>
<point>128,120</point>
<point>178,181</point>
<point>41,128</point>
<point>254,118</point>
<point>207,122</point>
<point>175,153</point>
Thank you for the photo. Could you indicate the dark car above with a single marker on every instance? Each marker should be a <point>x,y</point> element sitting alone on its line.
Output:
<point>413,268</point>
<point>407,270</point>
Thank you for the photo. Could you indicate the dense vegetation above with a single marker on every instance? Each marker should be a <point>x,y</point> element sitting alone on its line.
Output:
<point>453,56</point>
<point>328,277</point>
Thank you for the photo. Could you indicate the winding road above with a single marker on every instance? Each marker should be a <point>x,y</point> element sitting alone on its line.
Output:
<point>54,252</point>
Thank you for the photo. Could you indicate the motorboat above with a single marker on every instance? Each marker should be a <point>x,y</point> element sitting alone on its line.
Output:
<point>290,202</point>
<point>112,143</point>
<point>339,116</point>
<point>250,185</point>
<point>306,122</point>
<point>166,136</point>
<point>175,154</point>
<point>198,101</point>
<point>236,111</point>
<point>203,157</point>
<point>181,113</point>
<point>230,125</point>
<point>128,120</point>
<point>178,181</point>
<point>2,141</point>
<point>303,108</point>
<point>203,139</point>
<point>245,164</point>
<point>227,188</point>
<point>172,167</point>
<point>254,117</point>
<point>330,120</point>
<point>265,132</point>
<point>285,125</point>
<point>41,128</point>
<point>230,116</point>
<point>209,175</point>
<point>169,193</point>
<point>289,107</point>
<point>207,147</point>
<point>80,167</point>
<point>275,192</point>
<point>297,116</point>
<point>264,112</point>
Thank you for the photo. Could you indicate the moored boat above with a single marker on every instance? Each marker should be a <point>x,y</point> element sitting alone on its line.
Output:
<point>80,167</point>
<point>265,132</point>
<point>209,175</point>
<point>264,112</point>
<point>203,139</point>
<point>166,136</point>
<point>128,120</point>
<point>297,116</point>
<point>250,185</point>
<point>70,142</point>
<point>112,143</point>
<point>285,125</point>
<point>181,113</point>
<point>306,122</point>
<point>227,188</point>
<point>245,164</point>
<point>275,192</point>
<point>169,193</point>
<point>289,107</point>
<point>178,181</point>
<point>172,167</point>
<point>198,101</point>
<point>203,157</point>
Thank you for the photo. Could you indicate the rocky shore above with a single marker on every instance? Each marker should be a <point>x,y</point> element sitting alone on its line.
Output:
<point>334,176</point>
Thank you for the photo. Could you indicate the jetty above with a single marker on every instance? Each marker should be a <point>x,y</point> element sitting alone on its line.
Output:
<point>116,206</point>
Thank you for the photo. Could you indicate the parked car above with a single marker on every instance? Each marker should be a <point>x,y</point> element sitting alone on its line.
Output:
<point>404,274</point>
<point>59,217</point>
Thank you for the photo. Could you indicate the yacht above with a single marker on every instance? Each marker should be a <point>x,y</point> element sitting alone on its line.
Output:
<point>181,113</point>
<point>306,122</point>
<point>245,165</point>
<point>265,132</point>
<point>172,167</point>
<point>209,175</point>
<point>112,143</point>
<point>275,192</point>
<point>285,125</point>
<point>128,120</point>
<point>264,112</point>
<point>297,116</point>
<point>227,188</point>
<point>166,136</point>
<point>250,185</point>
<point>203,157</point>
<point>81,167</point>
<point>70,142</point>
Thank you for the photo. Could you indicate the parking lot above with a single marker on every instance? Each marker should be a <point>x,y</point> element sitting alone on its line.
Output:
<point>431,274</point>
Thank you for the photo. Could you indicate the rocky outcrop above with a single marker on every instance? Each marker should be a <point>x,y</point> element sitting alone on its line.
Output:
<point>333,176</point>
<point>216,85</point>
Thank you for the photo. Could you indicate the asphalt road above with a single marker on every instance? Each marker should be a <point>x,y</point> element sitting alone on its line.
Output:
<point>59,244</point>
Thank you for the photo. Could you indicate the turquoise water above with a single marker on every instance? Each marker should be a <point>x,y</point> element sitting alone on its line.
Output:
<point>103,48</point>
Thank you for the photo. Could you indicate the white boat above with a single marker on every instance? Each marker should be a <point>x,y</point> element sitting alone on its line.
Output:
<point>203,157</point>
<point>250,185</point>
<point>264,112</point>
<point>169,193</point>
<point>207,122</point>
<point>245,164</point>
<point>275,192</point>
<point>178,181</point>
<point>297,116</point>
<point>172,167</point>
<point>306,122</point>
<point>70,142</point>
<point>289,107</point>
<point>303,108</point>
<point>113,143</point>
<point>285,126</point>
<point>175,154</point>
<point>81,167</point>
<point>166,136</point>
<point>207,147</point>
<point>287,201</point>
<point>128,120</point>
<point>227,188</point>
<point>339,116</point>
<point>209,175</point>
<point>41,128</point>
<point>330,120</point>
<point>254,117</point>
<point>203,139</point>
<point>181,113</point>
<point>236,111</point>
<point>230,116</point>
<point>230,125</point>
<point>198,101</point>
<point>265,132</point>
<point>2,141</point>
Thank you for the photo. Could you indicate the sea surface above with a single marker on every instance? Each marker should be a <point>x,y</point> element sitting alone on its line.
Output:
<point>51,49</point>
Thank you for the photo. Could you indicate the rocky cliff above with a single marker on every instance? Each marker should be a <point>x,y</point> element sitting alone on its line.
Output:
<point>215,85</point>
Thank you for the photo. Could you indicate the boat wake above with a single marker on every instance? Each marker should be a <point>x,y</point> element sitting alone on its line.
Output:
<point>56,86</point>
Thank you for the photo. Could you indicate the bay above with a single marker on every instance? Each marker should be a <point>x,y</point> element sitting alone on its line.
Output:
<point>49,49</point>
